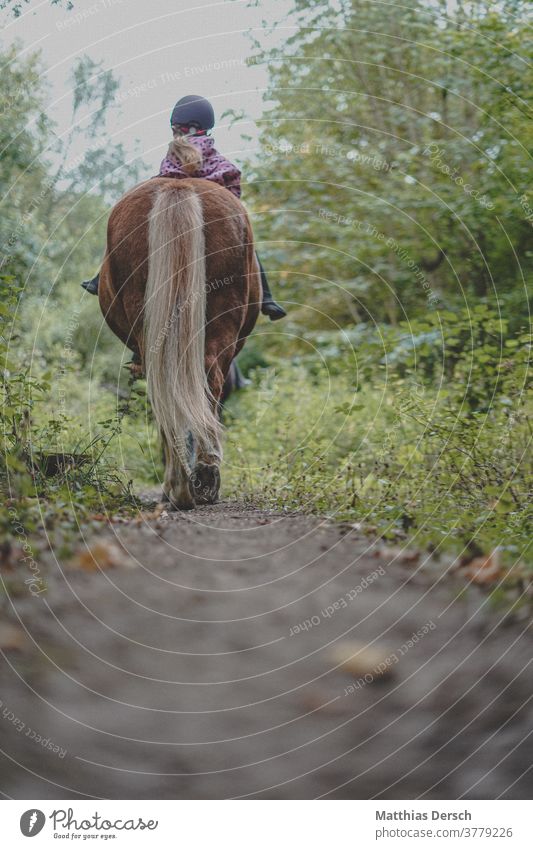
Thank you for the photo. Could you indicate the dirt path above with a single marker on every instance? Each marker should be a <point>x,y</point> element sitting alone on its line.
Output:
<point>181,673</point>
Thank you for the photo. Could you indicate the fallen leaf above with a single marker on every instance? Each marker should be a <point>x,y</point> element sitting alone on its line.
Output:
<point>359,659</point>
<point>149,515</point>
<point>101,555</point>
<point>12,637</point>
<point>485,569</point>
<point>315,702</point>
<point>400,555</point>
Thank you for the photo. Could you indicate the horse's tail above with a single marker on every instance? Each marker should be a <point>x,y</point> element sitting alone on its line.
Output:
<point>174,322</point>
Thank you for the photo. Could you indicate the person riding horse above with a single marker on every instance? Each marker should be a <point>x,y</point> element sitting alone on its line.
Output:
<point>192,153</point>
<point>170,243</point>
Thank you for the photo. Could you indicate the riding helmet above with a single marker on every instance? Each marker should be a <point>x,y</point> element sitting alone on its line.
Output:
<point>194,110</point>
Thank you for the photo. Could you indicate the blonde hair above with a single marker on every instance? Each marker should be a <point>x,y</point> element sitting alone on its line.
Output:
<point>187,155</point>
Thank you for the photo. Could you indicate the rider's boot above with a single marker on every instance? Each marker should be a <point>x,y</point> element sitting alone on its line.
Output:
<point>91,286</point>
<point>269,306</point>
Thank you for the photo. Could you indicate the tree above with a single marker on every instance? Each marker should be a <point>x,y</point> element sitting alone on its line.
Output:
<point>54,207</point>
<point>395,160</point>
<point>16,7</point>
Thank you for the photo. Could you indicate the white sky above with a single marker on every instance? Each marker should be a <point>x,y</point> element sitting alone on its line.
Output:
<point>161,50</point>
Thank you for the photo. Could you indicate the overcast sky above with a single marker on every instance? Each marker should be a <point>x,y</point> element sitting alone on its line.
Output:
<point>161,50</point>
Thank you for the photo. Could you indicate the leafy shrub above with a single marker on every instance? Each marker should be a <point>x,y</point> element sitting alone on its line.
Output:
<point>427,441</point>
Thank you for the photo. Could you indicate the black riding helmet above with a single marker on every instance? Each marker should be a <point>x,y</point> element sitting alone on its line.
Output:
<point>195,111</point>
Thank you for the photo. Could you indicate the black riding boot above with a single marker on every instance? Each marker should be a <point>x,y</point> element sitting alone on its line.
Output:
<point>269,306</point>
<point>91,286</point>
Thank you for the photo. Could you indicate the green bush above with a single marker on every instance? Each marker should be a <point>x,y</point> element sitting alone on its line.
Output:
<point>426,440</point>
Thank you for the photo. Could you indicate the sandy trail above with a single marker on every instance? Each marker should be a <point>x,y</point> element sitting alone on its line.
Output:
<point>186,672</point>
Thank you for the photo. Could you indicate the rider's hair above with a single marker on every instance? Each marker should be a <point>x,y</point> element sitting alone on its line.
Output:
<point>185,152</point>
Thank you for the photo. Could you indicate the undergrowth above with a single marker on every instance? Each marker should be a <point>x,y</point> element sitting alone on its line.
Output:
<point>422,434</point>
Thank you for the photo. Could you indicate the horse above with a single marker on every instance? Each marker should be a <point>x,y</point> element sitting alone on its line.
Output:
<point>180,287</point>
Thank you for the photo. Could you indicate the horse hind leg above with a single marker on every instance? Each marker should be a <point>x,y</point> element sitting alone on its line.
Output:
<point>204,480</point>
<point>176,489</point>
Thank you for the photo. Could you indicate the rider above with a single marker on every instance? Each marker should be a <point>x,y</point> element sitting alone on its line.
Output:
<point>191,153</point>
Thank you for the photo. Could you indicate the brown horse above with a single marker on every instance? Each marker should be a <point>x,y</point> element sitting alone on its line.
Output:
<point>180,287</point>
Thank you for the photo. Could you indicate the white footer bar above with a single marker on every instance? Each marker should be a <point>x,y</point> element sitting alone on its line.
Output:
<point>267,824</point>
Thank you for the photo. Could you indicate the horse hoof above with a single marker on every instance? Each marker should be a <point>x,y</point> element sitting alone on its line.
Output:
<point>183,501</point>
<point>204,483</point>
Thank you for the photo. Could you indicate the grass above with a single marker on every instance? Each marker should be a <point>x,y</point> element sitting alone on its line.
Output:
<point>408,459</point>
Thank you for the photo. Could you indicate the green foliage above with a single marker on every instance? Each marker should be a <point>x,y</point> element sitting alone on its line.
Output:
<point>394,166</point>
<point>50,458</point>
<point>62,451</point>
<point>423,438</point>
<point>390,201</point>
<point>16,7</point>
<point>391,194</point>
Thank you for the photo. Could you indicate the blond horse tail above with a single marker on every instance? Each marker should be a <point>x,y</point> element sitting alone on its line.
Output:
<point>174,324</point>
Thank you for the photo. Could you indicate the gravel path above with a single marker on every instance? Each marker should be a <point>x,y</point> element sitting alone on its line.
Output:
<point>233,652</point>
